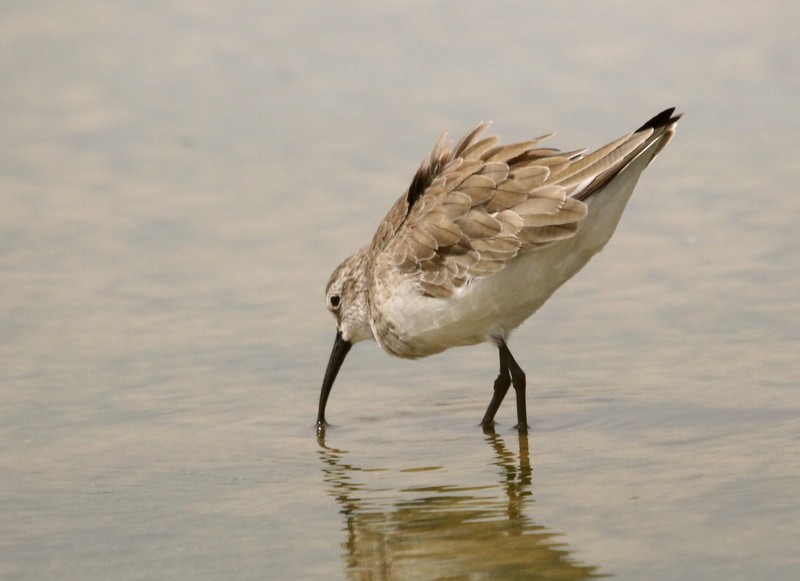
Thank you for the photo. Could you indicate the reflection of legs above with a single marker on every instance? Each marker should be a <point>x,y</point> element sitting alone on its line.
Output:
<point>510,372</point>
<point>516,475</point>
<point>525,470</point>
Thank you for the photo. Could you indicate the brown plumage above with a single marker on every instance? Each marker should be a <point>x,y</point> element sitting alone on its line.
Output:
<point>473,207</point>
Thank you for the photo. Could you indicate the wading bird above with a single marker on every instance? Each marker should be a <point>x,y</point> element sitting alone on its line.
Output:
<point>483,236</point>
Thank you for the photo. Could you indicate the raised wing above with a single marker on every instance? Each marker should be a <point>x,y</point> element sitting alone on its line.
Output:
<point>473,207</point>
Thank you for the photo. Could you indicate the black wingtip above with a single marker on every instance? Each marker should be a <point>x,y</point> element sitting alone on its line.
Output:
<point>664,118</point>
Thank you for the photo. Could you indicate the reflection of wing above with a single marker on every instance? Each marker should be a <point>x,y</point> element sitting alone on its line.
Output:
<point>472,208</point>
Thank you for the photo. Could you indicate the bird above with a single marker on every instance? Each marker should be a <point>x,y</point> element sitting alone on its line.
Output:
<point>482,237</point>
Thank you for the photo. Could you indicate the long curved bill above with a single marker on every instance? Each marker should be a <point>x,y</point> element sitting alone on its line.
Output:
<point>340,350</point>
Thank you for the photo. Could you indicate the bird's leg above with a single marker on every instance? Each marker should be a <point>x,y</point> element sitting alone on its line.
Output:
<point>518,380</point>
<point>501,385</point>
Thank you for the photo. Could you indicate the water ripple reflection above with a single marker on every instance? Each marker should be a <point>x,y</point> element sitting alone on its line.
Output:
<point>448,530</point>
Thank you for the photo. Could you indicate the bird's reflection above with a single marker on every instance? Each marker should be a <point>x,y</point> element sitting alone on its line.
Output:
<point>447,531</point>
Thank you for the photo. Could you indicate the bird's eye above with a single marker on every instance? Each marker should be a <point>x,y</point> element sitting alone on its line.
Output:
<point>335,301</point>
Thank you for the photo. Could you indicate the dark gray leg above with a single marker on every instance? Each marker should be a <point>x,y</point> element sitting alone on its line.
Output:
<point>501,385</point>
<point>518,379</point>
<point>510,373</point>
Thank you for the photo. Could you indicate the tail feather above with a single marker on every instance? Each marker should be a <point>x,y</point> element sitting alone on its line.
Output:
<point>660,128</point>
<point>661,120</point>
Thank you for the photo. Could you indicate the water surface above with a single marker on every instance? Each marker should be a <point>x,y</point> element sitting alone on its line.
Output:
<point>177,182</point>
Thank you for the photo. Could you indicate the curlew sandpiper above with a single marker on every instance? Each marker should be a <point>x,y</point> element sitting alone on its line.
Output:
<point>483,236</point>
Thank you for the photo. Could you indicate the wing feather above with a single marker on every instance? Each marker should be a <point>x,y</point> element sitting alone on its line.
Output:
<point>472,208</point>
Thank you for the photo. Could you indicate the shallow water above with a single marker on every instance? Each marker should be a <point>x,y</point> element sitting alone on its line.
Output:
<point>177,184</point>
